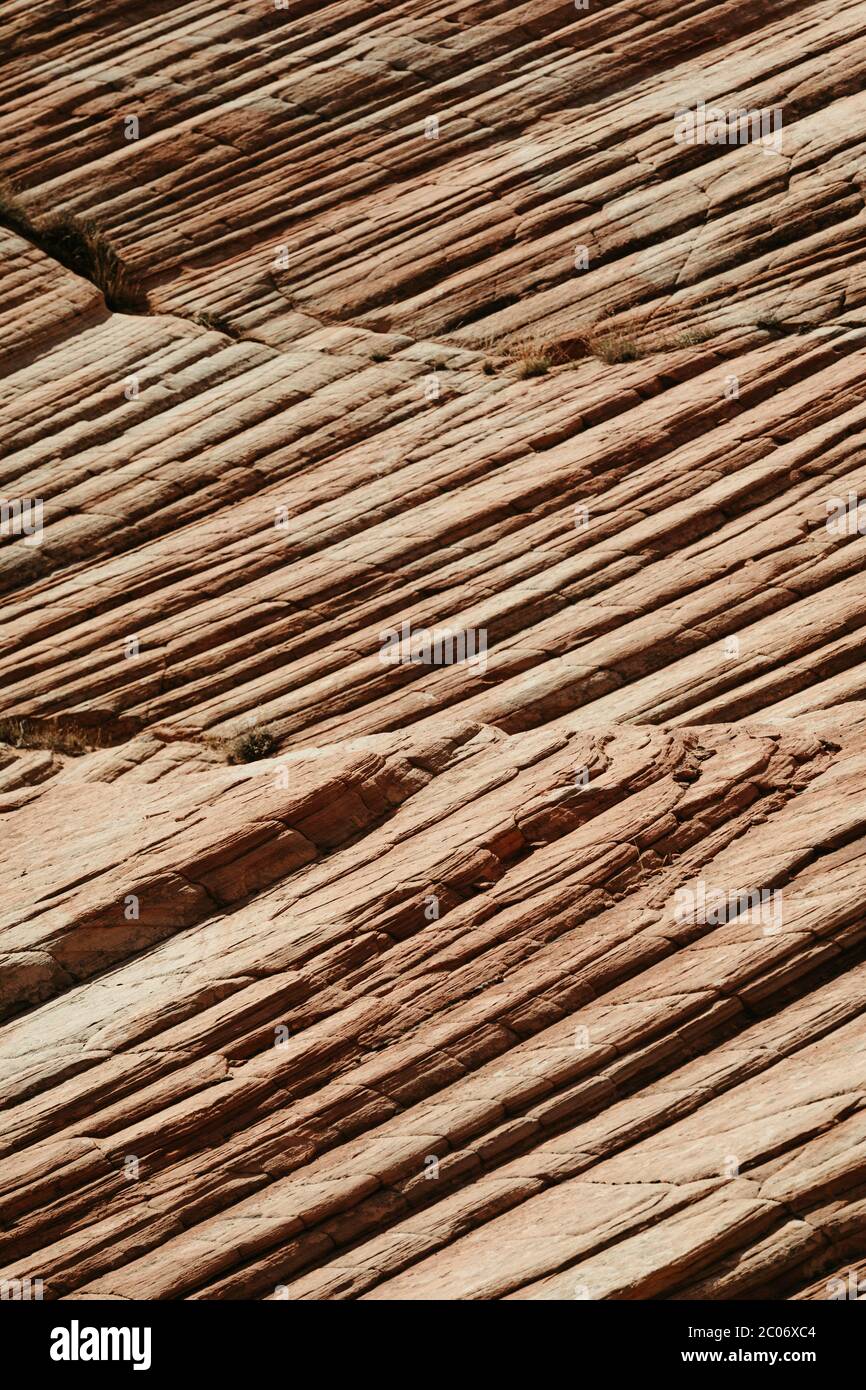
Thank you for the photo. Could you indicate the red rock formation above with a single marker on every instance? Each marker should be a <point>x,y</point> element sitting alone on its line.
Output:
<point>536,974</point>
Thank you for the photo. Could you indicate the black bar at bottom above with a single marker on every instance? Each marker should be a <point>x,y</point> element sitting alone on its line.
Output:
<point>88,1338</point>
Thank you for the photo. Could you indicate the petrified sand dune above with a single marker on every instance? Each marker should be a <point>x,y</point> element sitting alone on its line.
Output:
<point>331,976</point>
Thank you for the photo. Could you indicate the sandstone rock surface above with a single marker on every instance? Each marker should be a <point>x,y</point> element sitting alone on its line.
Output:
<point>327,320</point>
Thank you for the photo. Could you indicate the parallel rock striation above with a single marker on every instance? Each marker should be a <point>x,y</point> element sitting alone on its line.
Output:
<point>327,972</point>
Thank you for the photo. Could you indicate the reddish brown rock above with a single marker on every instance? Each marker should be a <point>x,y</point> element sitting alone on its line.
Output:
<point>533,974</point>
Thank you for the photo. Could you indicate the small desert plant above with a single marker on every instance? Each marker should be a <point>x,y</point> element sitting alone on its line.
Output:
<point>627,343</point>
<point>633,343</point>
<point>534,366</point>
<point>770,322</point>
<point>215,323</point>
<point>379,356</point>
<point>692,336</point>
<point>29,734</point>
<point>14,215</point>
<point>530,357</point>
<point>250,746</point>
<point>689,338</point>
<point>80,246</point>
<point>613,347</point>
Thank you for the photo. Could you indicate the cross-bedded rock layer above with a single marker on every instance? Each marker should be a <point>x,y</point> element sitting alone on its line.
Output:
<point>409,1007</point>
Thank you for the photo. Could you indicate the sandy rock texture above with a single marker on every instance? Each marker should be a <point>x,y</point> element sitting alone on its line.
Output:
<point>336,963</point>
